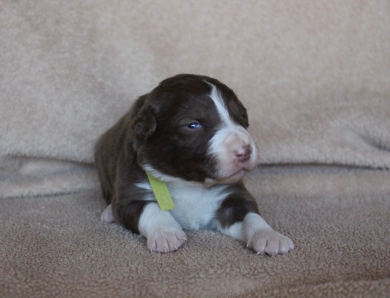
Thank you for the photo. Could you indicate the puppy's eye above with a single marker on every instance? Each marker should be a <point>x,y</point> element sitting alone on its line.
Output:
<point>194,125</point>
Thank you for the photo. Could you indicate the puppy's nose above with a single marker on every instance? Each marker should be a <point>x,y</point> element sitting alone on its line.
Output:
<point>243,153</point>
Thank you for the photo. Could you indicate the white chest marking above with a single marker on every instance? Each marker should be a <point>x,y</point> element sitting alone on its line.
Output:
<point>195,205</point>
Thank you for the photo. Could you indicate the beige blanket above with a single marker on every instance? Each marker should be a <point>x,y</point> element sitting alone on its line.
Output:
<point>314,76</point>
<point>338,219</point>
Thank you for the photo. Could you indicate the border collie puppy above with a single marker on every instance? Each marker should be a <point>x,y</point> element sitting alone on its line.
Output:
<point>190,133</point>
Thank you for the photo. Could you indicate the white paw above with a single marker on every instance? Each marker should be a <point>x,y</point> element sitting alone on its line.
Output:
<point>166,239</point>
<point>270,242</point>
<point>107,215</point>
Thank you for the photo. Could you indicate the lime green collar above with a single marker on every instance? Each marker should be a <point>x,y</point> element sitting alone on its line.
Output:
<point>161,193</point>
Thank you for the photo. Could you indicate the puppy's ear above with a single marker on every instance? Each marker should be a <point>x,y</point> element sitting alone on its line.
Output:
<point>144,125</point>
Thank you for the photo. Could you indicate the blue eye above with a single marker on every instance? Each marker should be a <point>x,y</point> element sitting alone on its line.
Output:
<point>195,125</point>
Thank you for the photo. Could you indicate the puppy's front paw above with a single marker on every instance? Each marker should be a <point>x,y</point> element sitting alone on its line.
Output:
<point>270,242</point>
<point>166,239</point>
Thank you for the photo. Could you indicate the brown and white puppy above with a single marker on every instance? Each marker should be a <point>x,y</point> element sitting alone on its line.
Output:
<point>190,131</point>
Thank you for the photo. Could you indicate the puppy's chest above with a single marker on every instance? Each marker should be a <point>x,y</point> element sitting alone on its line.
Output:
<point>195,205</point>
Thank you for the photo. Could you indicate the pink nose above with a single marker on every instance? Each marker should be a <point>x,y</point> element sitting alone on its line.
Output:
<point>243,154</point>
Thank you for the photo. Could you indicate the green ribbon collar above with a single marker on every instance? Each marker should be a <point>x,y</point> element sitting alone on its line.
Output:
<point>161,192</point>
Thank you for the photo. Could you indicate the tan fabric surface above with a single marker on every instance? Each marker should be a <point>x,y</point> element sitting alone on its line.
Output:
<point>339,221</point>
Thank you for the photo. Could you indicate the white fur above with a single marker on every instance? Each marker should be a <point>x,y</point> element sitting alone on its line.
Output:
<point>195,207</point>
<point>215,95</point>
<point>107,215</point>
<point>245,229</point>
<point>144,185</point>
<point>195,204</point>
<point>162,231</point>
<point>259,235</point>
<point>229,138</point>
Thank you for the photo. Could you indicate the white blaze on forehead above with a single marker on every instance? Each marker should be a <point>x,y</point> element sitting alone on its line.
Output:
<point>228,139</point>
<point>223,112</point>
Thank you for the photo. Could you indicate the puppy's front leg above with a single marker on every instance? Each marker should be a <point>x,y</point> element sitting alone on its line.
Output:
<point>259,236</point>
<point>162,231</point>
<point>239,219</point>
<point>262,239</point>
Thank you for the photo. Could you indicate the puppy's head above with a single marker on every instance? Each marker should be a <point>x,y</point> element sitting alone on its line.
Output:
<point>194,128</point>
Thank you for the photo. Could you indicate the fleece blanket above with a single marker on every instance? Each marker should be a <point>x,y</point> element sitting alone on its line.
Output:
<point>315,78</point>
<point>339,220</point>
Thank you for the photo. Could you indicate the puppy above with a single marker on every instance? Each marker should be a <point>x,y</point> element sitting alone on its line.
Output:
<point>189,132</point>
